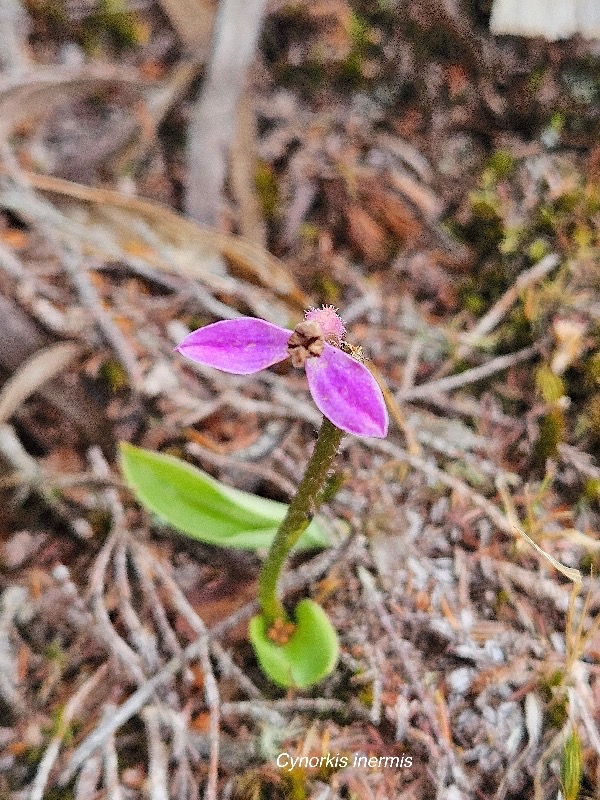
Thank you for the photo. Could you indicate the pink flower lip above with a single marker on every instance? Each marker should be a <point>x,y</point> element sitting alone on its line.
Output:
<point>343,389</point>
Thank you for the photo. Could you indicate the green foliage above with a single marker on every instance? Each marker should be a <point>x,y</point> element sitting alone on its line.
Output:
<point>310,654</point>
<point>572,767</point>
<point>200,507</point>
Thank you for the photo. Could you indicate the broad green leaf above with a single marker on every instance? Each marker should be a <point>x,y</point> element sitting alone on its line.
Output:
<point>200,507</point>
<point>309,656</point>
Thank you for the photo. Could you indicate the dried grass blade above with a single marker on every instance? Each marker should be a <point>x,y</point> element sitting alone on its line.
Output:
<point>38,369</point>
<point>571,573</point>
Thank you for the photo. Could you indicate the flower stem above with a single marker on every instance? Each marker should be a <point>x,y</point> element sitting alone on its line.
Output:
<point>296,520</point>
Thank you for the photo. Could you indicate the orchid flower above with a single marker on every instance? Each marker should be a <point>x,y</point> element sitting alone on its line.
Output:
<point>342,387</point>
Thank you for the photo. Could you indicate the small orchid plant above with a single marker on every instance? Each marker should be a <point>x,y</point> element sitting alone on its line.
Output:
<point>293,649</point>
<point>298,649</point>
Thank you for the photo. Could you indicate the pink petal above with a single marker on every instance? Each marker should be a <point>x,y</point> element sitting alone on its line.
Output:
<point>241,346</point>
<point>346,393</point>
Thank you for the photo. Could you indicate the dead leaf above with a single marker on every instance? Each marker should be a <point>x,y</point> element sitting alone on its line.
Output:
<point>366,235</point>
<point>192,19</point>
<point>395,213</point>
<point>30,97</point>
<point>170,241</point>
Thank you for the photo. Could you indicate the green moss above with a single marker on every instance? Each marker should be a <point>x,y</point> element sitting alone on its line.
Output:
<point>534,82</point>
<point>592,370</point>
<point>365,696</point>
<point>558,711</point>
<point>267,189</point>
<point>295,784</point>
<point>591,490</point>
<point>118,23</point>
<point>517,332</point>
<point>557,121</point>
<point>552,681</point>
<point>310,233</point>
<point>550,387</point>
<point>538,249</point>
<point>55,652</point>
<point>114,375</point>
<point>502,599</point>
<point>327,289</point>
<point>590,420</point>
<point>501,164</point>
<point>353,65</point>
<point>551,434</point>
<point>473,302</point>
<point>511,240</point>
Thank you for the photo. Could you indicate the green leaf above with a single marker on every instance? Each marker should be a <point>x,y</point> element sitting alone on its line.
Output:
<point>310,654</point>
<point>199,506</point>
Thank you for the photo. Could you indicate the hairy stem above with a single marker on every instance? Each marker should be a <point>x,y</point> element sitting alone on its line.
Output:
<point>297,519</point>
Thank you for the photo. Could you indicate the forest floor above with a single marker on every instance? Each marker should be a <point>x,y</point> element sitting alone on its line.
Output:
<point>439,186</point>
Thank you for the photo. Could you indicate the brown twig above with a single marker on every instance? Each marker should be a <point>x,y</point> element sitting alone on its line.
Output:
<point>51,754</point>
<point>293,581</point>
<point>213,121</point>
<point>471,375</point>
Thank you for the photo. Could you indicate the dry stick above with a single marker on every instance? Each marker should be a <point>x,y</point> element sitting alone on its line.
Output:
<point>230,669</point>
<point>87,780</point>
<point>407,654</point>
<point>76,268</point>
<point>182,781</point>
<point>307,573</point>
<point>418,463</point>
<point>298,705</point>
<point>243,159</point>
<point>470,375</point>
<point>411,364</point>
<point>556,743</point>
<point>32,476</point>
<point>14,24</point>
<point>159,101</point>
<point>11,600</point>
<point>211,689</point>
<point>20,198</point>
<point>256,470</point>
<point>213,121</point>
<point>51,754</point>
<point>127,657</point>
<point>144,642</point>
<point>490,320</point>
<point>153,601</point>
<point>11,264</point>
<point>157,783</point>
<point>111,763</point>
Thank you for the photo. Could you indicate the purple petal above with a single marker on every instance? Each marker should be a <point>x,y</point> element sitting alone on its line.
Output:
<point>241,346</point>
<point>346,393</point>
